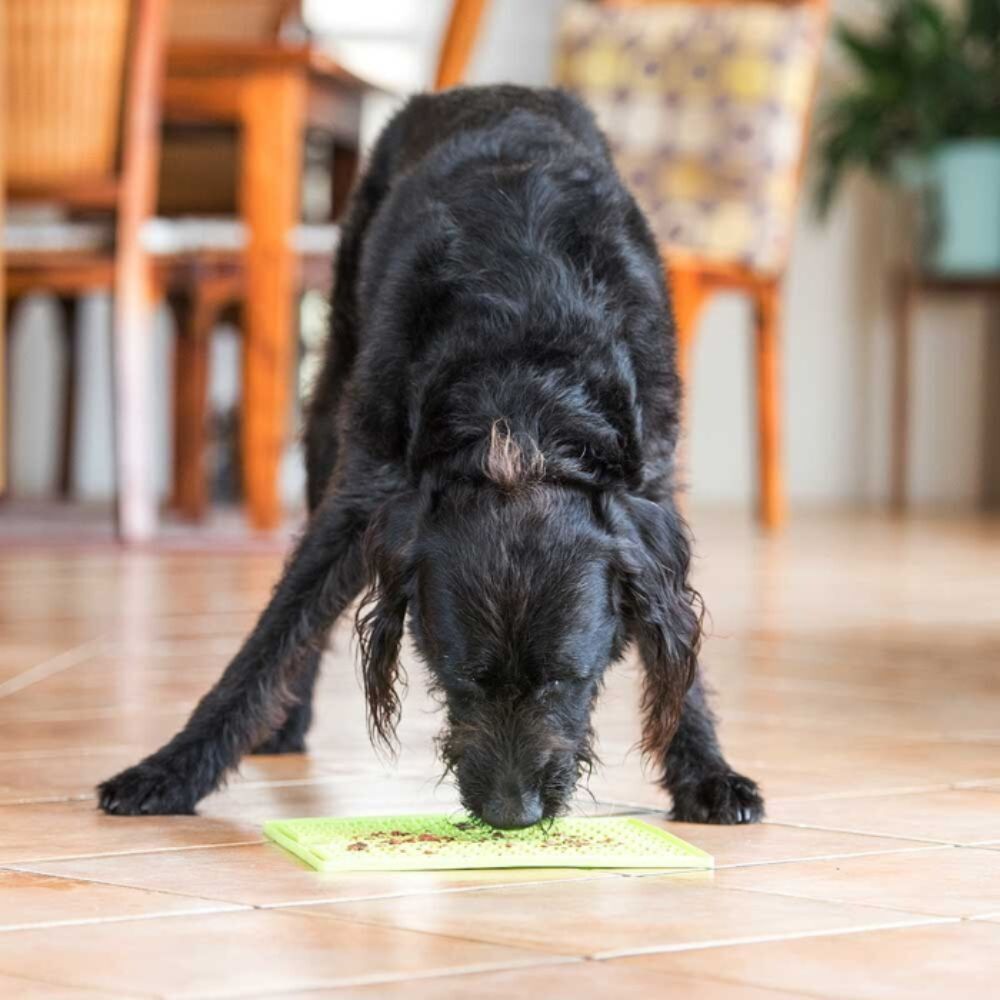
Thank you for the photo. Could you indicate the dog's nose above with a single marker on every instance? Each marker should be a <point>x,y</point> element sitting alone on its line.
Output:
<point>513,812</point>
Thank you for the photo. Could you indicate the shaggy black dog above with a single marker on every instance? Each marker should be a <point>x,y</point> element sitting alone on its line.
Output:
<point>490,450</point>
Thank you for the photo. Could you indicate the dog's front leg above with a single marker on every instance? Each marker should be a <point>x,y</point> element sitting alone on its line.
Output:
<point>252,698</point>
<point>679,730</point>
<point>704,788</point>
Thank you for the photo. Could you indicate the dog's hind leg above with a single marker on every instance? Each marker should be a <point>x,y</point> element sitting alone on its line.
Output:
<point>322,446</point>
<point>704,788</point>
<point>254,695</point>
<point>291,736</point>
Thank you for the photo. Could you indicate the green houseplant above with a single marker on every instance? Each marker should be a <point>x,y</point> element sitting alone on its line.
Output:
<point>923,111</point>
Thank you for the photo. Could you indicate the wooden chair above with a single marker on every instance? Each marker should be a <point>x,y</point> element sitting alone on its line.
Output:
<point>201,303</point>
<point>3,312</point>
<point>82,121</point>
<point>707,105</point>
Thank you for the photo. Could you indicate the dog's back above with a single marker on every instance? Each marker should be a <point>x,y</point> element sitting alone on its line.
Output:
<point>493,265</point>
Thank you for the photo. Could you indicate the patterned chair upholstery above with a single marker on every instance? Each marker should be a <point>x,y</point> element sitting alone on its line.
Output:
<point>705,107</point>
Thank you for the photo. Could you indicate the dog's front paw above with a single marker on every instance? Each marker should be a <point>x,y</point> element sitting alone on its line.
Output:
<point>148,789</point>
<point>725,798</point>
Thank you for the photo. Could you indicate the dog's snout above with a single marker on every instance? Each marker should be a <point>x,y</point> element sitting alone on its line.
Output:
<point>513,810</point>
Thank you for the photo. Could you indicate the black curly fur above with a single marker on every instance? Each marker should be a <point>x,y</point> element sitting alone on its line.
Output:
<point>489,448</point>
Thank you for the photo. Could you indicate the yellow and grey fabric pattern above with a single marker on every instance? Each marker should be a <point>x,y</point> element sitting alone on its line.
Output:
<point>705,107</point>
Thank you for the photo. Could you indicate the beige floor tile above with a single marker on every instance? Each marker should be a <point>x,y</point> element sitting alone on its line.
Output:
<point>70,829</point>
<point>957,816</point>
<point>867,762</point>
<point>766,843</point>
<point>338,796</point>
<point>680,910</point>
<point>580,980</point>
<point>913,963</point>
<point>947,881</point>
<point>778,782</point>
<point>917,714</point>
<point>67,775</point>
<point>265,875</point>
<point>101,730</point>
<point>19,658</point>
<point>27,899</point>
<point>228,954</point>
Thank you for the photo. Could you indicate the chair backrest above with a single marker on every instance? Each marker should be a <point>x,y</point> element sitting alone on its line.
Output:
<point>229,20</point>
<point>706,105</point>
<point>65,73</point>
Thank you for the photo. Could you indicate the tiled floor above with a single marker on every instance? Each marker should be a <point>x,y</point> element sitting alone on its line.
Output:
<point>856,662</point>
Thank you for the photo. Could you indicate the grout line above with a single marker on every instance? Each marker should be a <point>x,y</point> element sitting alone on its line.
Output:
<point>769,938</point>
<point>72,753</point>
<point>98,712</point>
<point>19,864</point>
<point>789,894</point>
<point>805,859</point>
<point>306,903</point>
<point>43,800</point>
<point>916,848</point>
<point>449,890</point>
<point>862,833</point>
<point>527,947</point>
<point>219,907</point>
<point>50,667</point>
<point>871,793</point>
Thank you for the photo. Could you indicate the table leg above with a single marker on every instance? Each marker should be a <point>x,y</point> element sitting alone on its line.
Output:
<point>273,122</point>
<point>344,172</point>
<point>902,305</point>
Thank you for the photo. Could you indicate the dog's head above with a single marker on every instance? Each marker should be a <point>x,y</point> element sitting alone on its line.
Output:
<point>520,593</point>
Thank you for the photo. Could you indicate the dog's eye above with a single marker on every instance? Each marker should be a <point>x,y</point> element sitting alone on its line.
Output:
<point>551,688</point>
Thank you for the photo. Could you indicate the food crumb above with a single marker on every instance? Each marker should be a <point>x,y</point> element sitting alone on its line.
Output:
<point>358,845</point>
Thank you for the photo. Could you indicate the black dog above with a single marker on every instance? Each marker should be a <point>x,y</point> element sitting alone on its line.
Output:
<point>490,451</point>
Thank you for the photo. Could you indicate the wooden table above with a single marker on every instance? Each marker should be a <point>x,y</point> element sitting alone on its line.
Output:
<point>271,94</point>
<point>908,288</point>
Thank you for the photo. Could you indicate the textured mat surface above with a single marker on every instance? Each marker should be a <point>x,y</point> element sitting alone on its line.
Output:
<point>414,843</point>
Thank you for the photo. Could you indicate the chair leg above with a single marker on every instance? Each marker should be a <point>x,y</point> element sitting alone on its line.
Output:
<point>343,173</point>
<point>688,295</point>
<point>768,318</point>
<point>9,304</point>
<point>68,306</point>
<point>197,314</point>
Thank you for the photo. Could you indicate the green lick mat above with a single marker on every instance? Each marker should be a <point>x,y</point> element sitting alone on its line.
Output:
<point>426,843</point>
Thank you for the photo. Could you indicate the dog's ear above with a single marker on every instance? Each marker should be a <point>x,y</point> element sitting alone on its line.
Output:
<point>663,612</point>
<point>389,570</point>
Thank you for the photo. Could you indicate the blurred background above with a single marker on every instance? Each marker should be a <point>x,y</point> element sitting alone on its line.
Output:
<point>836,262</point>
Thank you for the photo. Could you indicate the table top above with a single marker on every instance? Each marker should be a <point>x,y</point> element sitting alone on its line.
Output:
<point>945,283</point>
<point>212,59</point>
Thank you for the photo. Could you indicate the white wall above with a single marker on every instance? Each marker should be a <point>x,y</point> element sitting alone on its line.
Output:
<point>837,371</point>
